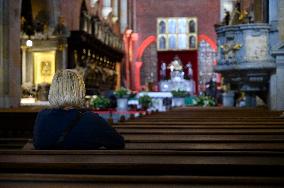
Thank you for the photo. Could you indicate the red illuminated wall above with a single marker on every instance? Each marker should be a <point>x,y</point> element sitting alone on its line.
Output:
<point>147,11</point>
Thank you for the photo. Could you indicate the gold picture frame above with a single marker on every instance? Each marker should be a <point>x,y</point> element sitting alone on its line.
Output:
<point>44,66</point>
<point>177,31</point>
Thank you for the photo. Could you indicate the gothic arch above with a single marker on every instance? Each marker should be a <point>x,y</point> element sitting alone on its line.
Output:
<point>149,40</point>
<point>149,66</point>
<point>144,45</point>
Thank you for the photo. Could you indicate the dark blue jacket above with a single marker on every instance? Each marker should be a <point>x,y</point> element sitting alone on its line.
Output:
<point>90,132</point>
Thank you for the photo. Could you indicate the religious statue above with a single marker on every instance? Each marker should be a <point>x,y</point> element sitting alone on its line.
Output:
<point>176,64</point>
<point>41,24</point>
<point>162,42</point>
<point>191,26</point>
<point>60,28</point>
<point>192,42</point>
<point>236,13</point>
<point>227,18</point>
<point>163,71</point>
<point>162,27</point>
<point>176,69</point>
<point>189,70</point>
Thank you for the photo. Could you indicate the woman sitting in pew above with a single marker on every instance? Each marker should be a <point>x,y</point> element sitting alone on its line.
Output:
<point>65,125</point>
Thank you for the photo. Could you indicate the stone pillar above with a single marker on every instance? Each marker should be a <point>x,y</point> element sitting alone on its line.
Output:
<point>273,11</point>
<point>276,19</point>
<point>281,19</point>
<point>123,15</point>
<point>24,63</point>
<point>277,96</point>
<point>273,21</point>
<point>10,63</point>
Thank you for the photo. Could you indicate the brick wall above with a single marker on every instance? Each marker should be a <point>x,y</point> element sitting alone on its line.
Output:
<point>207,12</point>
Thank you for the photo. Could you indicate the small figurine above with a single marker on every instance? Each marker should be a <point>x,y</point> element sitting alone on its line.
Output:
<point>60,28</point>
<point>227,18</point>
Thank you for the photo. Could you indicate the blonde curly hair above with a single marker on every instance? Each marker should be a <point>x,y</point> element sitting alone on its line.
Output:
<point>67,89</point>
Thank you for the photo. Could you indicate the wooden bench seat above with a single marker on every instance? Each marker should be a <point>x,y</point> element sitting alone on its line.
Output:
<point>206,145</point>
<point>143,161</point>
<point>209,119</point>
<point>157,122</point>
<point>176,142</point>
<point>28,180</point>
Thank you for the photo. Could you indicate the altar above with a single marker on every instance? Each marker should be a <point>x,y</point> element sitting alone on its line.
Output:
<point>158,99</point>
<point>185,85</point>
<point>177,80</point>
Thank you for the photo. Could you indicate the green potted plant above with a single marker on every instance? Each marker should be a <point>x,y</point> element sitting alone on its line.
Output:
<point>178,97</point>
<point>206,101</point>
<point>100,102</point>
<point>145,101</point>
<point>122,92</point>
<point>122,95</point>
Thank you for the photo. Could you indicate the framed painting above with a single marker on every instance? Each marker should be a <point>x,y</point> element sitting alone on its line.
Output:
<point>162,42</point>
<point>161,26</point>
<point>192,41</point>
<point>172,41</point>
<point>44,66</point>
<point>172,25</point>
<point>182,42</point>
<point>182,26</point>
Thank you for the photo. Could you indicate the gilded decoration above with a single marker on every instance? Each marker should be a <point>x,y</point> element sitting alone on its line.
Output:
<point>229,50</point>
<point>44,66</point>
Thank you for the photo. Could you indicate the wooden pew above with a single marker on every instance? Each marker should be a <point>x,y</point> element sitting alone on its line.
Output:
<point>129,168</point>
<point>142,181</point>
<point>160,152</point>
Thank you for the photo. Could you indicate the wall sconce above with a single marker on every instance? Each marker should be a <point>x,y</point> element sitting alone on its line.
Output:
<point>29,43</point>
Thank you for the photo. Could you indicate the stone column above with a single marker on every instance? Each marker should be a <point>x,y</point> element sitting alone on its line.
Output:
<point>10,63</point>
<point>273,21</point>
<point>24,64</point>
<point>277,95</point>
<point>281,19</point>
<point>123,15</point>
<point>276,19</point>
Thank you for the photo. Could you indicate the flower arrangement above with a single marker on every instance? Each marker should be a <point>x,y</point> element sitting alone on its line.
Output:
<point>122,92</point>
<point>179,93</point>
<point>100,102</point>
<point>145,101</point>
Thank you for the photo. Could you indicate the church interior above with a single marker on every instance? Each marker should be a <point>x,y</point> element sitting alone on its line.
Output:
<point>195,87</point>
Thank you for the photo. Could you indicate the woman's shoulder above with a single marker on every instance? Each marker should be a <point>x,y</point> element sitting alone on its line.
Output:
<point>58,112</point>
<point>94,117</point>
<point>50,110</point>
<point>90,114</point>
